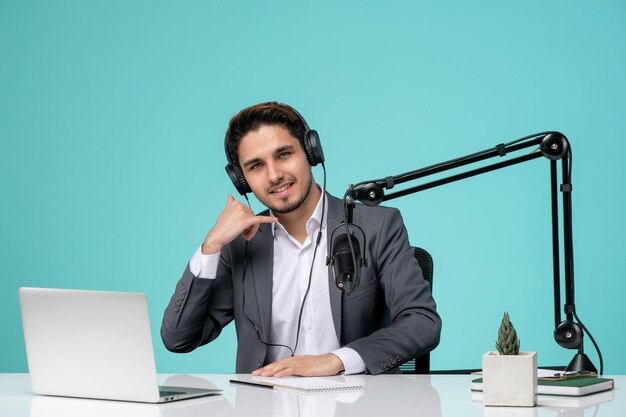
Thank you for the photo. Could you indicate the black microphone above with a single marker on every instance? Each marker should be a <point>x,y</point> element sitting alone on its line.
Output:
<point>347,275</point>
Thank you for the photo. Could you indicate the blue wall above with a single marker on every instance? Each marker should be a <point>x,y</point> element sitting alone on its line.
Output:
<point>113,115</point>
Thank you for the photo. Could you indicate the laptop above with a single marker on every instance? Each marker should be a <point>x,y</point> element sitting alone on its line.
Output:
<point>93,344</point>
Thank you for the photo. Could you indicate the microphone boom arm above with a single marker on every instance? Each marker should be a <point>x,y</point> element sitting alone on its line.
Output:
<point>551,145</point>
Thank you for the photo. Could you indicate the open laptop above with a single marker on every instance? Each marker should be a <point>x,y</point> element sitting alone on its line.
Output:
<point>93,344</point>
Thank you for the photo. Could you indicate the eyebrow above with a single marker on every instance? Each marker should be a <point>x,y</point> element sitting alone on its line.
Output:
<point>276,152</point>
<point>283,149</point>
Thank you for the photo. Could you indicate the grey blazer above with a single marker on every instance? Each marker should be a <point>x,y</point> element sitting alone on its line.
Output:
<point>389,319</point>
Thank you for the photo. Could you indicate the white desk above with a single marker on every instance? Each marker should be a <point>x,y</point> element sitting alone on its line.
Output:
<point>383,396</point>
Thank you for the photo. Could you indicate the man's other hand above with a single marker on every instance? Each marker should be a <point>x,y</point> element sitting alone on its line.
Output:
<point>304,365</point>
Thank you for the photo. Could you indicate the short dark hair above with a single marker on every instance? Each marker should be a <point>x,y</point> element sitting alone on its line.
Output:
<point>252,118</point>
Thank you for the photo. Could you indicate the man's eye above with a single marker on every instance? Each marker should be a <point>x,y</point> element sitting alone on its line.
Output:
<point>284,155</point>
<point>254,167</point>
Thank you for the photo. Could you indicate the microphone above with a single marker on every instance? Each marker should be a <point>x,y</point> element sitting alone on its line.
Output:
<point>347,274</point>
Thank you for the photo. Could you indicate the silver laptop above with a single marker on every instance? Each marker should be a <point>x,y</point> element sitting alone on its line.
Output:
<point>93,344</point>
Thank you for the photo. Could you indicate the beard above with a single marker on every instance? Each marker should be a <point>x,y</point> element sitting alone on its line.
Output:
<point>289,207</point>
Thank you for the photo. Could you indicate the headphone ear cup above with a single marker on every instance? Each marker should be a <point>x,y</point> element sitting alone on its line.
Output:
<point>313,148</point>
<point>236,176</point>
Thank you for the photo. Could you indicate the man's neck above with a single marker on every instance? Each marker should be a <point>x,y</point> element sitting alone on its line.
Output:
<point>295,221</point>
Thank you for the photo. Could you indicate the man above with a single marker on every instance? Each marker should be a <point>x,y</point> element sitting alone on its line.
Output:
<point>268,271</point>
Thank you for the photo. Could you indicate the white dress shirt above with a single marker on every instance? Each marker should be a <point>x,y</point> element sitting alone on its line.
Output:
<point>292,267</point>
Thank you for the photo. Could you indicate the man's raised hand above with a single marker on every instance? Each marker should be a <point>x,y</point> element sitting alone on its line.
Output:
<point>236,219</point>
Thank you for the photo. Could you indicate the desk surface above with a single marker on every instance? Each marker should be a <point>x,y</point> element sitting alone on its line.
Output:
<point>384,395</point>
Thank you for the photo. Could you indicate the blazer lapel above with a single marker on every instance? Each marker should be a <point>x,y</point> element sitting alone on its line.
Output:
<point>261,257</point>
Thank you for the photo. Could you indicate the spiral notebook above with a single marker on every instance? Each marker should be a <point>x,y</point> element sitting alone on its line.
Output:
<point>309,385</point>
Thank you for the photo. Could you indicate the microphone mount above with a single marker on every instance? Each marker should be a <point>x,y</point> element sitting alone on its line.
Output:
<point>551,145</point>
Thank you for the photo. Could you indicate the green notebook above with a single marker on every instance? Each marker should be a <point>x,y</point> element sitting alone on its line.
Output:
<point>575,387</point>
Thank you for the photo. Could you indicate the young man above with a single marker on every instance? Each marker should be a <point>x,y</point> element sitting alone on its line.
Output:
<point>268,271</point>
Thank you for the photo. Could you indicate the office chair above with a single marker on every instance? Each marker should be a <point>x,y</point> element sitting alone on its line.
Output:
<point>421,364</point>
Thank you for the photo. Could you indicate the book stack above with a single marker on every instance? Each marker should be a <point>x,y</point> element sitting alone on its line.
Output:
<point>575,387</point>
<point>564,392</point>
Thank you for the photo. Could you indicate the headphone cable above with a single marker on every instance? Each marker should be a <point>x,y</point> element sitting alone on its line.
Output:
<point>317,243</point>
<point>245,267</point>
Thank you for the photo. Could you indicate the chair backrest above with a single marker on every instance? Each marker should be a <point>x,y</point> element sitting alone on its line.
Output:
<point>425,261</point>
<point>421,364</point>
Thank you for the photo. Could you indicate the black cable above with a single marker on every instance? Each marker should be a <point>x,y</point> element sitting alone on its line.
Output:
<point>533,136</point>
<point>317,243</point>
<point>570,157</point>
<point>592,341</point>
<point>345,222</point>
<point>245,267</point>
<point>571,162</point>
<point>243,300</point>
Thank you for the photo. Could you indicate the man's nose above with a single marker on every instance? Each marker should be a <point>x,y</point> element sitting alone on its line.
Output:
<point>275,172</point>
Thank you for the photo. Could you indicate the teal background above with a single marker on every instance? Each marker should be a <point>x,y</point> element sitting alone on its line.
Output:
<point>112,168</point>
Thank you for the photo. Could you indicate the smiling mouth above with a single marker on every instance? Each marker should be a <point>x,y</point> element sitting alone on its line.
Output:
<point>281,188</point>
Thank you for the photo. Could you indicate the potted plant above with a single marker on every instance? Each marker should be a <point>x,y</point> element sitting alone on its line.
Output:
<point>509,376</point>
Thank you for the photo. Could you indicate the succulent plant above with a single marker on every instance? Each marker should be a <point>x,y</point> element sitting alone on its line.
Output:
<point>507,343</point>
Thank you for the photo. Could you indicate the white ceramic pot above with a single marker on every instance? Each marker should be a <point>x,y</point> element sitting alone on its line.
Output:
<point>510,380</point>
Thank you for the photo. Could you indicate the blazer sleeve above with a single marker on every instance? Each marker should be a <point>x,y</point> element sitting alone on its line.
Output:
<point>198,310</point>
<point>412,326</point>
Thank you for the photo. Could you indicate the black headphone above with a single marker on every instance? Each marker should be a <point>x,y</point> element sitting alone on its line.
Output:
<point>311,145</point>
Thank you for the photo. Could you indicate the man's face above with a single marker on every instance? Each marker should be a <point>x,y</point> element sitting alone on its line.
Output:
<point>276,168</point>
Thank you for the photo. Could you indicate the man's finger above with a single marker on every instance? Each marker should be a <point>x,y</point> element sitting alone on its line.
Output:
<point>269,218</point>
<point>264,219</point>
<point>256,221</point>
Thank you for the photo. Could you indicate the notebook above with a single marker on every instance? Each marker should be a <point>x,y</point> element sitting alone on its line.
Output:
<point>309,385</point>
<point>93,344</point>
<point>574,387</point>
